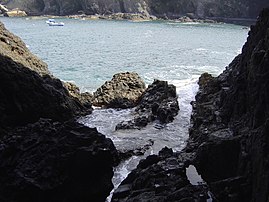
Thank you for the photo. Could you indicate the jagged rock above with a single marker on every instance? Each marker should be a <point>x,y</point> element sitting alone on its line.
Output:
<point>123,91</point>
<point>46,160</point>
<point>28,92</point>
<point>51,161</point>
<point>230,127</point>
<point>139,151</point>
<point>159,102</point>
<point>14,48</point>
<point>228,140</point>
<point>160,178</point>
<point>84,98</point>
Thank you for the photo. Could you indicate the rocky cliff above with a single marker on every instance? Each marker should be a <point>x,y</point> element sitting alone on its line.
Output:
<point>160,8</point>
<point>28,91</point>
<point>229,138</point>
<point>45,155</point>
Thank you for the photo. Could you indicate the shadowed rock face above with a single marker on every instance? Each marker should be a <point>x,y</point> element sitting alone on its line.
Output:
<point>28,91</point>
<point>160,8</point>
<point>229,142</point>
<point>158,103</point>
<point>49,161</point>
<point>231,122</point>
<point>160,178</point>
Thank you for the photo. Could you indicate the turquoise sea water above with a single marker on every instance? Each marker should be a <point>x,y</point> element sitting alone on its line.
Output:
<point>90,52</point>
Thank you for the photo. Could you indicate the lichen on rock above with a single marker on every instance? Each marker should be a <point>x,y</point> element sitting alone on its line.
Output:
<point>123,91</point>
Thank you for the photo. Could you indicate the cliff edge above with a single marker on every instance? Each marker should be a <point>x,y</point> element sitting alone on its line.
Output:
<point>160,8</point>
<point>229,137</point>
<point>45,155</point>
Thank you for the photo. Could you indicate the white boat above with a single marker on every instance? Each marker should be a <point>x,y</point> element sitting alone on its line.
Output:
<point>52,22</point>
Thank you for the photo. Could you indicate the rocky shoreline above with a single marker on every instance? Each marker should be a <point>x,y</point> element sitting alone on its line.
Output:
<point>162,9</point>
<point>47,156</point>
<point>135,17</point>
<point>228,141</point>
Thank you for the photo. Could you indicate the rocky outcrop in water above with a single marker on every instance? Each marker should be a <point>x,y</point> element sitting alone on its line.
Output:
<point>229,138</point>
<point>45,155</point>
<point>158,103</point>
<point>161,8</point>
<point>123,91</point>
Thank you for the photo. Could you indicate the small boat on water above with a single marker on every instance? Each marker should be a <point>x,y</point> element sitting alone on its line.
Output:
<point>52,22</point>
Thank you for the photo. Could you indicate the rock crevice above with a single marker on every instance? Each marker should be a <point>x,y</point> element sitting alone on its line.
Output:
<point>228,141</point>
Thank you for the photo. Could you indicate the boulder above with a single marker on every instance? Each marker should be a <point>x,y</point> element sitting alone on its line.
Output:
<point>158,103</point>
<point>52,161</point>
<point>15,13</point>
<point>84,98</point>
<point>3,8</point>
<point>123,91</point>
<point>160,178</point>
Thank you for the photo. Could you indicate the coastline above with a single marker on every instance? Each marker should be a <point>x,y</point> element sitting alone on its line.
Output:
<point>137,17</point>
<point>228,140</point>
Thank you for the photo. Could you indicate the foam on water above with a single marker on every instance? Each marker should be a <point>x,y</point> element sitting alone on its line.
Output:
<point>91,52</point>
<point>173,135</point>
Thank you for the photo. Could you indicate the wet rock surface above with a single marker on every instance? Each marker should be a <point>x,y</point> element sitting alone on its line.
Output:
<point>52,161</point>
<point>123,91</point>
<point>229,135</point>
<point>160,178</point>
<point>158,103</point>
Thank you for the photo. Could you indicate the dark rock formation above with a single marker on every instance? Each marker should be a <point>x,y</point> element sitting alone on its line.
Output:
<point>85,98</point>
<point>160,178</point>
<point>229,137</point>
<point>123,91</point>
<point>162,8</point>
<point>28,91</point>
<point>231,122</point>
<point>48,161</point>
<point>15,49</point>
<point>159,102</point>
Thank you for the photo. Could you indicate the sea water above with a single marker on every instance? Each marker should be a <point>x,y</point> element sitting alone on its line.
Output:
<point>90,52</point>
